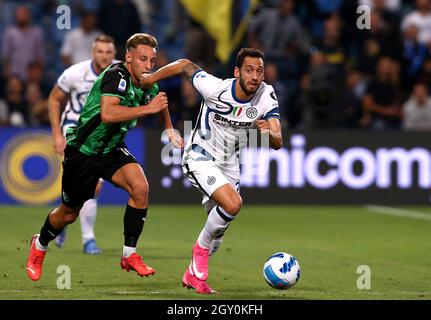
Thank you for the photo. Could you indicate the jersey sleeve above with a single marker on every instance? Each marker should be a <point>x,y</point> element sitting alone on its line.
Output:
<point>114,84</point>
<point>66,81</point>
<point>205,83</point>
<point>272,109</point>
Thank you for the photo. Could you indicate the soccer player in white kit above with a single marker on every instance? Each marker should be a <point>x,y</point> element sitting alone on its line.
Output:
<point>71,90</point>
<point>229,110</point>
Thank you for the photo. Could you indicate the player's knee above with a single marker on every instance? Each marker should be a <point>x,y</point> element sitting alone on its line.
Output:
<point>140,192</point>
<point>233,206</point>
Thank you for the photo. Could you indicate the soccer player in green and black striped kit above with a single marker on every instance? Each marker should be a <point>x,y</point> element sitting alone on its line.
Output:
<point>95,149</point>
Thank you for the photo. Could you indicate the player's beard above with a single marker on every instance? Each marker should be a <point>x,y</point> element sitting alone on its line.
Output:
<point>243,86</point>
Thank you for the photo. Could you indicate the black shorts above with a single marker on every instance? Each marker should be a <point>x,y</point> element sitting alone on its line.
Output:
<point>81,173</point>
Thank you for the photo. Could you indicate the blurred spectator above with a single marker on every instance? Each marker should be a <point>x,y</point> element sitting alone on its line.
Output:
<point>120,20</point>
<point>272,78</point>
<point>392,5</point>
<point>35,74</point>
<point>18,114</point>
<point>190,103</point>
<point>421,18</point>
<point>381,102</point>
<point>77,42</point>
<point>387,12</point>
<point>37,106</point>
<point>277,31</point>
<point>2,83</point>
<point>22,45</point>
<point>425,75</point>
<point>318,11</point>
<point>373,43</point>
<point>4,113</point>
<point>417,110</point>
<point>330,45</point>
<point>355,86</point>
<point>321,102</point>
<point>414,54</point>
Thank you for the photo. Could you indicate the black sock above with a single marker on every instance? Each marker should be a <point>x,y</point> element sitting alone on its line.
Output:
<point>48,233</point>
<point>134,220</point>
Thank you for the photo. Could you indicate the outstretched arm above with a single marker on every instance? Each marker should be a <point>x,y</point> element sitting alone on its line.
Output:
<point>111,111</point>
<point>181,66</point>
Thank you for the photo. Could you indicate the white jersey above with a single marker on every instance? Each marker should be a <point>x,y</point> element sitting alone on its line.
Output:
<point>224,121</point>
<point>76,81</point>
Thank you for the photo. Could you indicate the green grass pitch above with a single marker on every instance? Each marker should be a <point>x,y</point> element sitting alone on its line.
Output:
<point>330,242</point>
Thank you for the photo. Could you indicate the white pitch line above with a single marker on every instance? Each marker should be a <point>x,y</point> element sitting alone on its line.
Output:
<point>399,212</point>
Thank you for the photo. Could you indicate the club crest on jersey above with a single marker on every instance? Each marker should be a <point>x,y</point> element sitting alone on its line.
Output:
<point>147,98</point>
<point>211,180</point>
<point>237,111</point>
<point>122,85</point>
<point>251,112</point>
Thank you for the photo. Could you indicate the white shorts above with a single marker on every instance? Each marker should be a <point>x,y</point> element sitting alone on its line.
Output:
<point>207,176</point>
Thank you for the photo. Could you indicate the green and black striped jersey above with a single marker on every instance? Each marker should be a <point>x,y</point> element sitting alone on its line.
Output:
<point>93,137</point>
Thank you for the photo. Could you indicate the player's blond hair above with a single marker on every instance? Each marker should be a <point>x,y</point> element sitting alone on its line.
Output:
<point>141,38</point>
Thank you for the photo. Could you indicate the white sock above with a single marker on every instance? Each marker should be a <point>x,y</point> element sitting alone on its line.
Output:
<point>39,246</point>
<point>127,251</point>
<point>214,226</point>
<point>215,245</point>
<point>87,216</point>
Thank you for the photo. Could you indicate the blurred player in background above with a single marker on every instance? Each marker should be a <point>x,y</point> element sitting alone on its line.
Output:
<point>70,93</point>
<point>230,109</point>
<point>95,149</point>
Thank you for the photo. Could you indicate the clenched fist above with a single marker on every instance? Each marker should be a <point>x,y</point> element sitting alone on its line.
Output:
<point>263,126</point>
<point>158,103</point>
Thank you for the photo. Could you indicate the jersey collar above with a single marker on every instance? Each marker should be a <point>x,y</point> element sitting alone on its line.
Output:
<point>92,69</point>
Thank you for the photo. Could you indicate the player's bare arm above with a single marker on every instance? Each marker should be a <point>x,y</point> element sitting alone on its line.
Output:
<point>56,101</point>
<point>174,138</point>
<point>271,126</point>
<point>189,70</point>
<point>111,111</point>
<point>181,66</point>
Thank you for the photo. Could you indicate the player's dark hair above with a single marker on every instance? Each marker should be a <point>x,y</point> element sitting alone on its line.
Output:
<point>141,38</point>
<point>248,52</point>
<point>104,38</point>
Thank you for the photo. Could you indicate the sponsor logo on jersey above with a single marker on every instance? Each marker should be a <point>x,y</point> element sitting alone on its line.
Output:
<point>223,121</point>
<point>122,85</point>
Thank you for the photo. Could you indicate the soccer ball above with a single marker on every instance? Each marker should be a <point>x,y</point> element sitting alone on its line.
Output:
<point>281,271</point>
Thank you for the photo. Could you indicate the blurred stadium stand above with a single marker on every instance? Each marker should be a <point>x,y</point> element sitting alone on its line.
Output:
<point>323,70</point>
